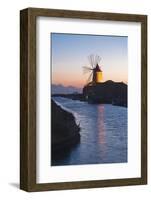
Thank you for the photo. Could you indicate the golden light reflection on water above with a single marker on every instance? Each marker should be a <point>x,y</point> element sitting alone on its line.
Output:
<point>101,130</point>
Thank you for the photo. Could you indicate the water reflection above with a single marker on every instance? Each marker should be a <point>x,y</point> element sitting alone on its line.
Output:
<point>101,130</point>
<point>103,134</point>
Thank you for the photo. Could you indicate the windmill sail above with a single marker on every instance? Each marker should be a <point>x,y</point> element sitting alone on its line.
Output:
<point>90,78</point>
<point>96,74</point>
<point>86,69</point>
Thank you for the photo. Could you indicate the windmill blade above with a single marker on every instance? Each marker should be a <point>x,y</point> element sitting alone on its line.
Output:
<point>98,59</point>
<point>86,69</point>
<point>89,78</point>
<point>94,61</point>
<point>91,60</point>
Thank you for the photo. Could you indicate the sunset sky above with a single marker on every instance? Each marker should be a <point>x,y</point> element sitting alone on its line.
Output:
<point>70,52</point>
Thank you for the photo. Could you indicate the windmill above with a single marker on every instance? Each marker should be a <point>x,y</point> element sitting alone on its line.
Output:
<point>94,69</point>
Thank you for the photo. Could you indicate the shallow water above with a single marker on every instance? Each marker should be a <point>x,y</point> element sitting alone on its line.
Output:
<point>103,133</point>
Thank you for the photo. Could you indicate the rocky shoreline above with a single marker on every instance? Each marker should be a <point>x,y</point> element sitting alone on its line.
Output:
<point>109,92</point>
<point>65,132</point>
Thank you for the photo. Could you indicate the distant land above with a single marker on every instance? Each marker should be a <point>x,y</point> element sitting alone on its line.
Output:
<point>108,92</point>
<point>61,89</point>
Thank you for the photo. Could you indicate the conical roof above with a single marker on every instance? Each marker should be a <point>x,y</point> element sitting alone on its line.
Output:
<point>97,68</point>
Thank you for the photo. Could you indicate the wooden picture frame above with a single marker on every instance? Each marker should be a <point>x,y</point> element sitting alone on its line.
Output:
<point>28,98</point>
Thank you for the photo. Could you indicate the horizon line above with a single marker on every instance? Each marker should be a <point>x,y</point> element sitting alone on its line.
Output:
<point>86,84</point>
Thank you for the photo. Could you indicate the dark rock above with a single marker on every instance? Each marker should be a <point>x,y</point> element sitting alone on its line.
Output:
<point>65,131</point>
<point>108,92</point>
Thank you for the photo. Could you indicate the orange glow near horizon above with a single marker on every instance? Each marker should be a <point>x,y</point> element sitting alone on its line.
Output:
<point>77,82</point>
<point>70,53</point>
<point>81,81</point>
